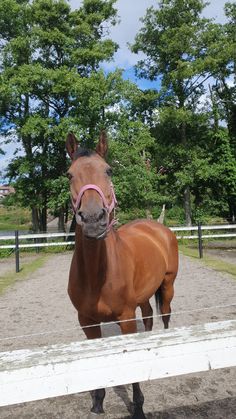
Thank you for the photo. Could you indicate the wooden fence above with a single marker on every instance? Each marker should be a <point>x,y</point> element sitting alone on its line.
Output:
<point>17,241</point>
<point>27,375</point>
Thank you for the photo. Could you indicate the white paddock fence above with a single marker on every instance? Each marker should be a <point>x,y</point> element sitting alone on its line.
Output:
<point>63,369</point>
<point>50,371</point>
<point>17,241</point>
<point>25,238</point>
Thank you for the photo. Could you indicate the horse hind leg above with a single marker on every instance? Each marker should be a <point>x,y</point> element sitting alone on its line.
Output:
<point>164,296</point>
<point>138,401</point>
<point>147,314</point>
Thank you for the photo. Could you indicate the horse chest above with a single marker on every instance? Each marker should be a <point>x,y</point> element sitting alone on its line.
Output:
<point>98,295</point>
<point>104,309</point>
<point>100,305</point>
<point>98,309</point>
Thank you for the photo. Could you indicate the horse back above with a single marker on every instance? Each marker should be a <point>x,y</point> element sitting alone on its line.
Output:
<point>154,250</point>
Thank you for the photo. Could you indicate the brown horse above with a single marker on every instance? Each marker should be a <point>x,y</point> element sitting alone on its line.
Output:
<point>114,271</point>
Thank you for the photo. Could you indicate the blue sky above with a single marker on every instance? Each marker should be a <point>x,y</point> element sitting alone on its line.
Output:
<point>130,12</point>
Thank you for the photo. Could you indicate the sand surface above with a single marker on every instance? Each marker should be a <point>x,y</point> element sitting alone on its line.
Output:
<point>37,312</point>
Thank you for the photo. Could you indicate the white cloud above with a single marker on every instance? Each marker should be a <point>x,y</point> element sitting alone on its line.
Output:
<point>130,13</point>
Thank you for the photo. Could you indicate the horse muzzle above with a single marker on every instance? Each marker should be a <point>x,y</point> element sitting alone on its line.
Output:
<point>94,225</point>
<point>94,219</point>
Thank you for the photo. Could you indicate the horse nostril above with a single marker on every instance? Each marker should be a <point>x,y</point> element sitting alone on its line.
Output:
<point>102,214</point>
<point>81,215</point>
<point>92,218</point>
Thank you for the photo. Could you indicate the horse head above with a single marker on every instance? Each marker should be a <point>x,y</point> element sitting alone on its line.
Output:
<point>92,194</point>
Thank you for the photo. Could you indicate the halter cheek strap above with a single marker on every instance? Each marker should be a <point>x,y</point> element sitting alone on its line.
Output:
<point>109,207</point>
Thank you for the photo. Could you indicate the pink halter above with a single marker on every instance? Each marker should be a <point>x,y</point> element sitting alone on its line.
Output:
<point>109,207</point>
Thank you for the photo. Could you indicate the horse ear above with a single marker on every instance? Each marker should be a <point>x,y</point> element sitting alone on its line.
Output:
<point>71,144</point>
<point>102,145</point>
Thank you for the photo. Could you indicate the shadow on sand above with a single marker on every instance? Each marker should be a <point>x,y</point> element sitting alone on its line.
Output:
<point>217,409</point>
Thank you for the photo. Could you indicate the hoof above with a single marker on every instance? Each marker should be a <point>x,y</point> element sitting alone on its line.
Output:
<point>139,414</point>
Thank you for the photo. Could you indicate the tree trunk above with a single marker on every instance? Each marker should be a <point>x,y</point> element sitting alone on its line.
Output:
<point>42,215</point>
<point>61,221</point>
<point>66,211</point>
<point>232,211</point>
<point>187,206</point>
<point>35,220</point>
<point>44,219</point>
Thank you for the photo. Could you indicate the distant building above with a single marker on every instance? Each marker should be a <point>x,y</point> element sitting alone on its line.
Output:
<point>6,190</point>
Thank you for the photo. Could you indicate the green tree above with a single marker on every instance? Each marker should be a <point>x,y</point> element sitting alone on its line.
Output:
<point>223,181</point>
<point>49,56</point>
<point>223,54</point>
<point>222,60</point>
<point>175,38</point>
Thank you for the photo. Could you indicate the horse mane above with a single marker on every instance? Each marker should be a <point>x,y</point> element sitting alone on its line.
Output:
<point>83,152</point>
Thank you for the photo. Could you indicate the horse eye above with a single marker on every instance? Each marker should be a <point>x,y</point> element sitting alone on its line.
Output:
<point>109,171</point>
<point>69,175</point>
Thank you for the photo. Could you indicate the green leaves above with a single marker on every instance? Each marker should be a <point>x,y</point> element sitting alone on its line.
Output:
<point>49,85</point>
<point>173,38</point>
<point>164,145</point>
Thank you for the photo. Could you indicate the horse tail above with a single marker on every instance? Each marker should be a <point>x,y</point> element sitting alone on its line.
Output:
<point>158,298</point>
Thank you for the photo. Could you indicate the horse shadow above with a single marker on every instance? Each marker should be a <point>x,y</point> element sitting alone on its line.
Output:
<point>122,393</point>
<point>114,329</point>
<point>217,409</point>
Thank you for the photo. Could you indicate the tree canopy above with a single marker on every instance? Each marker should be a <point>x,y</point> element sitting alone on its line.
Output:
<point>175,145</point>
<point>185,50</point>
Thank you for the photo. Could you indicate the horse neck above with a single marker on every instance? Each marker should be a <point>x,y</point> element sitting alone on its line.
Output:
<point>91,257</point>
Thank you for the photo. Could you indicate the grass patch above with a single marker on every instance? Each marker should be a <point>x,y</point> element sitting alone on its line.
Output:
<point>220,265</point>
<point>216,264</point>
<point>189,251</point>
<point>11,278</point>
<point>14,218</point>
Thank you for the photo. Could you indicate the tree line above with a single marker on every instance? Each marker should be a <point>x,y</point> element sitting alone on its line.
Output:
<point>174,144</point>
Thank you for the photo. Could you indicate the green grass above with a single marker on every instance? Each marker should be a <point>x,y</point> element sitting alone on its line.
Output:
<point>11,278</point>
<point>12,218</point>
<point>189,251</point>
<point>216,264</point>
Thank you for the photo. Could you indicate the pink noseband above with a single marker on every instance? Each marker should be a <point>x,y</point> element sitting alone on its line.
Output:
<point>109,207</point>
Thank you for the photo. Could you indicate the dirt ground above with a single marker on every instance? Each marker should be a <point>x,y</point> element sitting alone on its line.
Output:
<point>227,255</point>
<point>37,312</point>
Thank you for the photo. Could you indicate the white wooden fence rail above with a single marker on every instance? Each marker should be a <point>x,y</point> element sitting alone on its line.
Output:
<point>69,238</point>
<point>50,371</point>
<point>36,237</point>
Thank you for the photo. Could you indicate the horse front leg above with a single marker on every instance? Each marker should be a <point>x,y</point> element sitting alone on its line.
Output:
<point>98,395</point>
<point>138,398</point>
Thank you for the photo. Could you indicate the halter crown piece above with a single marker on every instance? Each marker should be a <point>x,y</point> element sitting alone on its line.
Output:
<point>109,207</point>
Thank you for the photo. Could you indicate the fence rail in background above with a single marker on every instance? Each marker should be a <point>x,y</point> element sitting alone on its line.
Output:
<point>27,375</point>
<point>21,241</point>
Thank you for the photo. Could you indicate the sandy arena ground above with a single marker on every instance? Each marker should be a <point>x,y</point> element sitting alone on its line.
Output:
<point>37,312</point>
